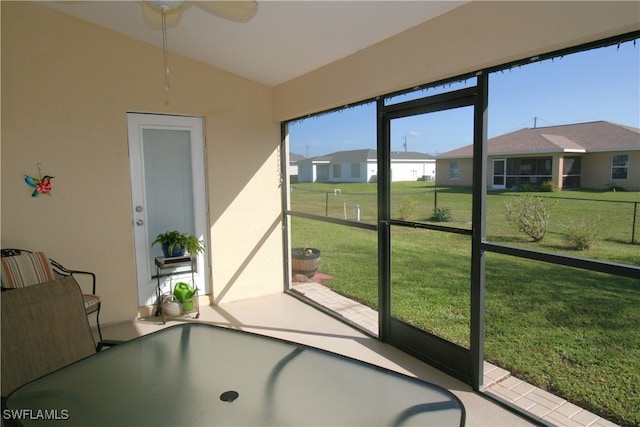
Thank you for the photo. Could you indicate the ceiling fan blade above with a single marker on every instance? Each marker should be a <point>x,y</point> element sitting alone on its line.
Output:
<point>234,10</point>
<point>153,16</point>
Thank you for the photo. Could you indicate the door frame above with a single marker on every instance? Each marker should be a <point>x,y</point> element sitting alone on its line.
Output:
<point>145,271</point>
<point>504,174</point>
<point>465,364</point>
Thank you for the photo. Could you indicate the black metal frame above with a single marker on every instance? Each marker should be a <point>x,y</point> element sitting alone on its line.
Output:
<point>472,373</point>
<point>61,270</point>
<point>456,360</point>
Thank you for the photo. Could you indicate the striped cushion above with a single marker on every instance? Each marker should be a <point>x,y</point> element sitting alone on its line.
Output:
<point>28,268</point>
<point>91,302</point>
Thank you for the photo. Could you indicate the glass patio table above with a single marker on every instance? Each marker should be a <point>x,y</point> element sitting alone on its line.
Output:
<point>199,374</point>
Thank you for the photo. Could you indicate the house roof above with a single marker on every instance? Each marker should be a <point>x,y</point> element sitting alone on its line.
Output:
<point>410,155</point>
<point>293,157</point>
<point>363,155</point>
<point>590,137</point>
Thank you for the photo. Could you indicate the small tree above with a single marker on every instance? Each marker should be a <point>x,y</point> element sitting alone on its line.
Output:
<point>531,215</point>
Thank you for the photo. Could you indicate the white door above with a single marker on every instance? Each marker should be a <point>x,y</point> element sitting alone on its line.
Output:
<point>499,174</point>
<point>167,162</point>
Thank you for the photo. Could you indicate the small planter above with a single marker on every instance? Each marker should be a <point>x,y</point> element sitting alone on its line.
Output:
<point>175,251</point>
<point>305,261</point>
<point>175,244</point>
<point>171,307</point>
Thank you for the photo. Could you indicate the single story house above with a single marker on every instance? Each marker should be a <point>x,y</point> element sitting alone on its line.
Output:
<point>293,165</point>
<point>595,155</point>
<point>361,166</point>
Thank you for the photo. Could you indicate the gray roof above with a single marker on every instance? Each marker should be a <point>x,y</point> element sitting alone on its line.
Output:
<point>293,157</point>
<point>590,137</point>
<point>360,156</point>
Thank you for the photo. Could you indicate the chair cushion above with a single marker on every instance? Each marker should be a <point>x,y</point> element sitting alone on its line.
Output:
<point>91,302</point>
<point>26,269</point>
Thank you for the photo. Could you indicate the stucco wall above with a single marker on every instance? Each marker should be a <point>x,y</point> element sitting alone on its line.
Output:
<point>596,171</point>
<point>66,88</point>
<point>465,172</point>
<point>477,35</point>
<point>411,171</point>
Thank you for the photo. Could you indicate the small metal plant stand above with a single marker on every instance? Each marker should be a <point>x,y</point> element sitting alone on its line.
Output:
<point>172,266</point>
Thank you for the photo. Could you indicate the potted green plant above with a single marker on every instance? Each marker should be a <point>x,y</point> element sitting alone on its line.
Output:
<point>176,244</point>
<point>305,261</point>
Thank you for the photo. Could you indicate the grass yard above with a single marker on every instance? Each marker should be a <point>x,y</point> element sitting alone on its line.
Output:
<point>611,213</point>
<point>572,332</point>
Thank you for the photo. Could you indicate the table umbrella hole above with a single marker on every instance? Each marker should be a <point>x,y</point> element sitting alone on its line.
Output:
<point>229,396</point>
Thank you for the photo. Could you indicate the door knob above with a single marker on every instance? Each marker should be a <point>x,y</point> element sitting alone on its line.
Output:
<point>139,222</point>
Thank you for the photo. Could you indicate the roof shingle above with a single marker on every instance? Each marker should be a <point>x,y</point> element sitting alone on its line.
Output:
<point>359,156</point>
<point>580,137</point>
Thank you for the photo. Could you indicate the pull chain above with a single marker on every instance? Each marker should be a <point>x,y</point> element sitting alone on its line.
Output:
<point>165,52</point>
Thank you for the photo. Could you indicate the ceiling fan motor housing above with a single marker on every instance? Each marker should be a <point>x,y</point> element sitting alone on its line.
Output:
<point>165,4</point>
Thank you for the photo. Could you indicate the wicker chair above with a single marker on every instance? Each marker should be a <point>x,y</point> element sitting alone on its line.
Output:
<point>44,328</point>
<point>21,268</point>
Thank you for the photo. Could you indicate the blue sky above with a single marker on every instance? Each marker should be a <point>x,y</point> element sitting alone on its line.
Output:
<point>601,84</point>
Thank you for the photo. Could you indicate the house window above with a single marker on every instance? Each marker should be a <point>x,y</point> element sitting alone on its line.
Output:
<point>355,170</point>
<point>337,171</point>
<point>323,172</point>
<point>454,169</point>
<point>619,166</point>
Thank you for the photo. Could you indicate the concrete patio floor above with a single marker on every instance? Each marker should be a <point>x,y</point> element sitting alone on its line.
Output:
<point>284,316</point>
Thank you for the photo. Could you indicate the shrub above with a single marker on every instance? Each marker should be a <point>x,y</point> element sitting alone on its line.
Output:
<point>581,235</point>
<point>526,187</point>
<point>441,215</point>
<point>407,208</point>
<point>549,187</point>
<point>531,215</point>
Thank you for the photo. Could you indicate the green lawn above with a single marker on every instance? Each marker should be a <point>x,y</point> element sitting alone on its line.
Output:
<point>611,212</point>
<point>572,332</point>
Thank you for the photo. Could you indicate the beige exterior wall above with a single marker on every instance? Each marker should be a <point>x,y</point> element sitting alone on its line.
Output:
<point>67,85</point>
<point>596,171</point>
<point>66,88</point>
<point>477,35</point>
<point>465,173</point>
<point>557,165</point>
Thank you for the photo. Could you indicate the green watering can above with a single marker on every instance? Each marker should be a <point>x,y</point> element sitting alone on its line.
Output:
<point>185,294</point>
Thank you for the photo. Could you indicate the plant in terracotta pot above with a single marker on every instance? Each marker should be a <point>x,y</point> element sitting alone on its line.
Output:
<point>176,244</point>
<point>305,261</point>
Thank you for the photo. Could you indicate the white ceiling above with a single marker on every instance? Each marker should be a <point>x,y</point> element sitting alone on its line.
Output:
<point>285,39</point>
